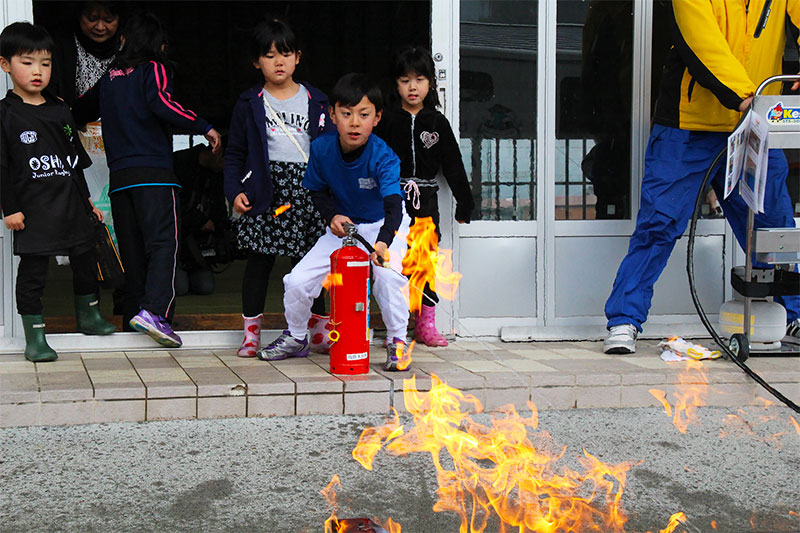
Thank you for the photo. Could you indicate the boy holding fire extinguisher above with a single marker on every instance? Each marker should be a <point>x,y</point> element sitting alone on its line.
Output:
<point>354,178</point>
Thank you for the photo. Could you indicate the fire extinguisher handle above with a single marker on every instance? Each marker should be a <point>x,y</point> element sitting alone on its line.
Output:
<point>352,231</point>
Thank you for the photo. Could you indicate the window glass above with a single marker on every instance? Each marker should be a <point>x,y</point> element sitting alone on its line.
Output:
<point>498,106</point>
<point>593,109</point>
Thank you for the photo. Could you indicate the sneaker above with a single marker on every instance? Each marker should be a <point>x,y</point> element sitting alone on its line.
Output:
<point>391,354</point>
<point>157,327</point>
<point>793,329</point>
<point>621,339</point>
<point>284,347</point>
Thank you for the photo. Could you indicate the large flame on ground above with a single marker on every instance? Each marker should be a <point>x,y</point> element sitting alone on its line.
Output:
<point>425,263</point>
<point>497,470</point>
<point>690,394</point>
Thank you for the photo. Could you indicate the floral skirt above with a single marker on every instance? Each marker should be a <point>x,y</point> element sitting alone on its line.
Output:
<point>290,232</point>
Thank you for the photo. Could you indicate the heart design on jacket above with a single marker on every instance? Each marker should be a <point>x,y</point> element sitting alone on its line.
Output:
<point>428,138</point>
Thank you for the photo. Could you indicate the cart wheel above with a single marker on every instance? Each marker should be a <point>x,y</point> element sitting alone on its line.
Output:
<point>740,347</point>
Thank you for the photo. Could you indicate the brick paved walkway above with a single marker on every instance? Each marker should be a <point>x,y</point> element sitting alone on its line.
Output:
<point>181,384</point>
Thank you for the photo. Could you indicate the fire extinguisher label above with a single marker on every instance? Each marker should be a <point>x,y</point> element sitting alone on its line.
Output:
<point>358,263</point>
<point>357,356</point>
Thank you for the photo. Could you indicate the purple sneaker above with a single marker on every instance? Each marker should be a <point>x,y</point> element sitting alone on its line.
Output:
<point>157,328</point>
<point>283,347</point>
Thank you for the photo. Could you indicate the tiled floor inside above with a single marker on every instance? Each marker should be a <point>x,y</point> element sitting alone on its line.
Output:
<point>181,384</point>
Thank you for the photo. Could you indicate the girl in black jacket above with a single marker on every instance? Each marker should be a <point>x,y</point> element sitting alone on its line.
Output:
<point>421,136</point>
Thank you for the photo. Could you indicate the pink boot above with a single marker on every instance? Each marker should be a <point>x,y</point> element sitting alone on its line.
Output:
<point>318,328</point>
<point>425,331</point>
<point>252,337</point>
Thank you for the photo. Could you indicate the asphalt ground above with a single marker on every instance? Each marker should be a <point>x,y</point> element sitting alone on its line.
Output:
<point>732,471</point>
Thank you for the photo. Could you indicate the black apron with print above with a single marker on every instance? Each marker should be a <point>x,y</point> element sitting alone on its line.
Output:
<point>44,158</point>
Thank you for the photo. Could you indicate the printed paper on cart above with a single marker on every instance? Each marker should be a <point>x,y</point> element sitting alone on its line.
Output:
<point>748,152</point>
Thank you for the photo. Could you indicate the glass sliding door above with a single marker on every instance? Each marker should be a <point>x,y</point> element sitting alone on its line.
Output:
<point>498,58</point>
<point>594,54</point>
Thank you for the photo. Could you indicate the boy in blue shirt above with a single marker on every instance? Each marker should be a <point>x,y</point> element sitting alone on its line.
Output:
<point>354,178</point>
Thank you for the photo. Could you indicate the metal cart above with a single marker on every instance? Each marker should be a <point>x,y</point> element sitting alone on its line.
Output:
<point>779,247</point>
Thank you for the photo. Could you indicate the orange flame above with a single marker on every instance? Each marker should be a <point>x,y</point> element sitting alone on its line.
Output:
<point>661,396</point>
<point>690,394</point>
<point>334,278</point>
<point>744,423</point>
<point>334,525</point>
<point>497,469</point>
<point>330,496</point>
<point>404,356</point>
<point>425,263</point>
<point>372,440</point>
<point>391,526</point>
<point>281,209</point>
<point>674,521</point>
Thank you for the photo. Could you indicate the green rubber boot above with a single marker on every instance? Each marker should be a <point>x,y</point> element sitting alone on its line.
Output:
<point>36,348</point>
<point>87,315</point>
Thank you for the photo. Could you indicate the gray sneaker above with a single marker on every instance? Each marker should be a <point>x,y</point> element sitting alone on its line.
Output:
<point>621,339</point>
<point>283,347</point>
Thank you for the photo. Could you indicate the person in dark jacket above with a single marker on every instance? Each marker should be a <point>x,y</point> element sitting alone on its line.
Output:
<point>423,139</point>
<point>43,193</point>
<point>134,100</point>
<point>271,131</point>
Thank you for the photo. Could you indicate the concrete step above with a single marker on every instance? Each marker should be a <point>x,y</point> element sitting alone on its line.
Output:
<point>163,384</point>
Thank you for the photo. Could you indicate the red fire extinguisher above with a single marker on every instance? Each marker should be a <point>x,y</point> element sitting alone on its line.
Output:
<point>349,308</point>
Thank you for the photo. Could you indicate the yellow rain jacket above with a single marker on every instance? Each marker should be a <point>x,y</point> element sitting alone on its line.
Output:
<point>722,50</point>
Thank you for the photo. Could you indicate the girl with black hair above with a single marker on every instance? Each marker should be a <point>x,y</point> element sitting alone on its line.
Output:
<point>271,131</point>
<point>134,100</point>
<point>423,140</point>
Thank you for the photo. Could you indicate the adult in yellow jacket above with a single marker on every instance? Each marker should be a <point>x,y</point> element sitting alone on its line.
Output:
<point>722,50</point>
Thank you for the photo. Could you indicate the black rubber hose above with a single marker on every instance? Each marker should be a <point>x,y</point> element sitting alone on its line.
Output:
<point>701,313</point>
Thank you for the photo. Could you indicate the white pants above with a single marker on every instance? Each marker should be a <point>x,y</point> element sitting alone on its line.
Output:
<point>304,282</point>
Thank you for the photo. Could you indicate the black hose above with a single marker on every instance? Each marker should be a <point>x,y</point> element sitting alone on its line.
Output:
<point>701,313</point>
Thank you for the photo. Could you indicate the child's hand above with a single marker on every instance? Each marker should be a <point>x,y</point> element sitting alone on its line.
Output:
<point>241,204</point>
<point>15,222</point>
<point>215,140</point>
<point>96,212</point>
<point>337,225</point>
<point>382,251</point>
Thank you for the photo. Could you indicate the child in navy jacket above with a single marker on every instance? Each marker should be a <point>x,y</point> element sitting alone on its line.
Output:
<point>271,130</point>
<point>134,100</point>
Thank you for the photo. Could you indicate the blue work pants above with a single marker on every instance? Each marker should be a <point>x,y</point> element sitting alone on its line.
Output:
<point>675,163</point>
